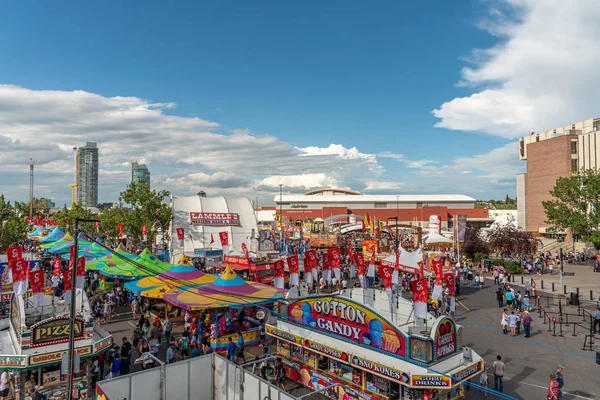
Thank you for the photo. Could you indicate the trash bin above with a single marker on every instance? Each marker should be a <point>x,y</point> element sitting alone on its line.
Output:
<point>574,299</point>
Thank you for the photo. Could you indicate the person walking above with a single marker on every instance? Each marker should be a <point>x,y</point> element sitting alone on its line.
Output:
<point>470,278</point>
<point>280,374</point>
<point>240,347</point>
<point>504,321</point>
<point>527,323</point>
<point>167,328</point>
<point>125,357</point>
<point>171,353</point>
<point>483,379</point>
<point>560,380</point>
<point>553,389</point>
<point>231,350</point>
<point>512,323</point>
<point>496,279</point>
<point>597,320</point>
<point>519,300</point>
<point>526,303</point>
<point>500,297</point>
<point>509,298</point>
<point>532,288</point>
<point>184,344</point>
<point>498,371</point>
<point>4,385</point>
<point>527,288</point>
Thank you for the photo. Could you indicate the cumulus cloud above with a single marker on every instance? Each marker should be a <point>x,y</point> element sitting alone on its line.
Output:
<point>407,162</point>
<point>382,186</point>
<point>184,153</point>
<point>541,74</point>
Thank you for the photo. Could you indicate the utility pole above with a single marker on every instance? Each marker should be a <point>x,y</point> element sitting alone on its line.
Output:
<point>73,307</point>
<point>281,213</point>
<point>31,165</point>
<point>561,268</point>
<point>397,214</point>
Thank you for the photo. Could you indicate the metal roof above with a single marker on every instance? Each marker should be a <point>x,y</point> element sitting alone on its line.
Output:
<point>368,198</point>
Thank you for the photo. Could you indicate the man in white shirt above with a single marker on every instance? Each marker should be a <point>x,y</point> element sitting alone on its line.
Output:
<point>4,386</point>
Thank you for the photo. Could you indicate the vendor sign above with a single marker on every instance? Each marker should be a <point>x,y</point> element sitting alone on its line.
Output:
<point>272,331</point>
<point>379,369</point>
<point>55,330</point>
<point>214,219</point>
<point>326,350</point>
<point>431,381</point>
<point>349,320</point>
<point>13,361</point>
<point>444,337</point>
<point>370,246</point>
<point>51,358</point>
<point>237,261</point>
<point>467,372</point>
<point>102,344</point>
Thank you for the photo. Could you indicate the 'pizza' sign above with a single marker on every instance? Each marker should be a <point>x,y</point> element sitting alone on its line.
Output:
<point>55,331</point>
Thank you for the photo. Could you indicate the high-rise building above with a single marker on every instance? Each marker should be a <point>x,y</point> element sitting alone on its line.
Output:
<point>87,193</point>
<point>551,155</point>
<point>140,173</point>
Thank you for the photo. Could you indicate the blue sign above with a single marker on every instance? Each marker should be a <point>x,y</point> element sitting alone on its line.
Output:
<point>208,252</point>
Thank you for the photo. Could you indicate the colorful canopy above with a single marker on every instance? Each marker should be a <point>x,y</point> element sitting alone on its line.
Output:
<point>67,238</point>
<point>146,264</point>
<point>38,233</point>
<point>63,246</point>
<point>110,259</point>
<point>228,290</point>
<point>55,235</point>
<point>180,276</point>
<point>91,251</point>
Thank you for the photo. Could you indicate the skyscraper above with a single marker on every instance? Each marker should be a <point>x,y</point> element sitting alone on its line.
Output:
<point>140,173</point>
<point>87,194</point>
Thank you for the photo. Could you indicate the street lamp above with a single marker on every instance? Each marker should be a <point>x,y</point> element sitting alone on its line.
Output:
<point>281,213</point>
<point>397,238</point>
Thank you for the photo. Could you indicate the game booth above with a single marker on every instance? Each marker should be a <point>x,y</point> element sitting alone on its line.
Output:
<point>326,340</point>
<point>228,304</point>
<point>37,339</point>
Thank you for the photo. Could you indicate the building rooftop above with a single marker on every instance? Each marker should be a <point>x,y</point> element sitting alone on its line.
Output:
<point>366,198</point>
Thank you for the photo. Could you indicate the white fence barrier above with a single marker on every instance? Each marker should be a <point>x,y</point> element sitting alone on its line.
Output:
<point>209,377</point>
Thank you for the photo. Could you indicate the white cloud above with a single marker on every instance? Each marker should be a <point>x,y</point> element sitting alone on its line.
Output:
<point>382,186</point>
<point>183,153</point>
<point>403,159</point>
<point>542,74</point>
<point>305,181</point>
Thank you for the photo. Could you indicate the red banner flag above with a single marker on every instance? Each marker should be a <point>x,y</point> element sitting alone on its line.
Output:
<point>57,267</point>
<point>419,291</point>
<point>438,270</point>
<point>326,262</point>
<point>293,264</point>
<point>80,269</point>
<point>120,226</point>
<point>307,264</point>
<point>311,255</point>
<point>144,232</point>
<point>350,253</point>
<point>18,269</point>
<point>386,276</point>
<point>245,250</point>
<point>224,236</point>
<point>422,269</point>
<point>14,253</point>
<point>278,269</point>
<point>68,284</point>
<point>334,257</point>
<point>97,225</point>
<point>449,281</point>
<point>359,259</point>
<point>36,281</point>
<point>180,233</point>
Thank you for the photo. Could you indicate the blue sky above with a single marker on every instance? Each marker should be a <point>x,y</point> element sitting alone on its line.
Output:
<point>299,77</point>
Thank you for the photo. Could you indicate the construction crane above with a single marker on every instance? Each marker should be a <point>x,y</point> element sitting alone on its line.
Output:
<point>74,186</point>
<point>31,165</point>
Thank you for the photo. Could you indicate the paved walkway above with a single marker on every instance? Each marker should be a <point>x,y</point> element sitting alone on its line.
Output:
<point>529,361</point>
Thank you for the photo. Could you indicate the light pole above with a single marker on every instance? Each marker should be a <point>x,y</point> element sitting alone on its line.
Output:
<point>73,307</point>
<point>281,213</point>
<point>397,213</point>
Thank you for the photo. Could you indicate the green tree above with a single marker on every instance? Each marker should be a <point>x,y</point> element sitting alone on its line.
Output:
<point>70,214</point>
<point>13,227</point>
<point>147,208</point>
<point>110,218</point>
<point>575,206</point>
<point>40,206</point>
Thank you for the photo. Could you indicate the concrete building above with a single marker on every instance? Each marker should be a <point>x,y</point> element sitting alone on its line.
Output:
<point>140,173</point>
<point>550,155</point>
<point>87,193</point>
<point>408,209</point>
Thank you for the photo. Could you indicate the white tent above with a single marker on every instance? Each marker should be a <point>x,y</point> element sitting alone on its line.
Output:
<point>436,238</point>
<point>211,215</point>
<point>409,260</point>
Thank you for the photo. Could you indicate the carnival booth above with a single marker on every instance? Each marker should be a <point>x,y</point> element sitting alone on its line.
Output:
<point>154,288</point>
<point>226,298</point>
<point>33,346</point>
<point>353,342</point>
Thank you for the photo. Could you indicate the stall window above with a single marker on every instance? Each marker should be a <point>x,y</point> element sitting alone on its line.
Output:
<point>296,352</point>
<point>377,384</point>
<point>340,370</point>
<point>323,363</point>
<point>357,377</point>
<point>310,359</point>
<point>283,349</point>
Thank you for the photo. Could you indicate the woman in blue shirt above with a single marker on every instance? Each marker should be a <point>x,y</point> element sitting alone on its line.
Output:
<point>115,366</point>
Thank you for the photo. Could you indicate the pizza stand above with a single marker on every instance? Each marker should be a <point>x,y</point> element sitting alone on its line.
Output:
<point>33,346</point>
<point>327,340</point>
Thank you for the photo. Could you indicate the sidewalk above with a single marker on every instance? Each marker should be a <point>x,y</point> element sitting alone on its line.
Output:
<point>584,278</point>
